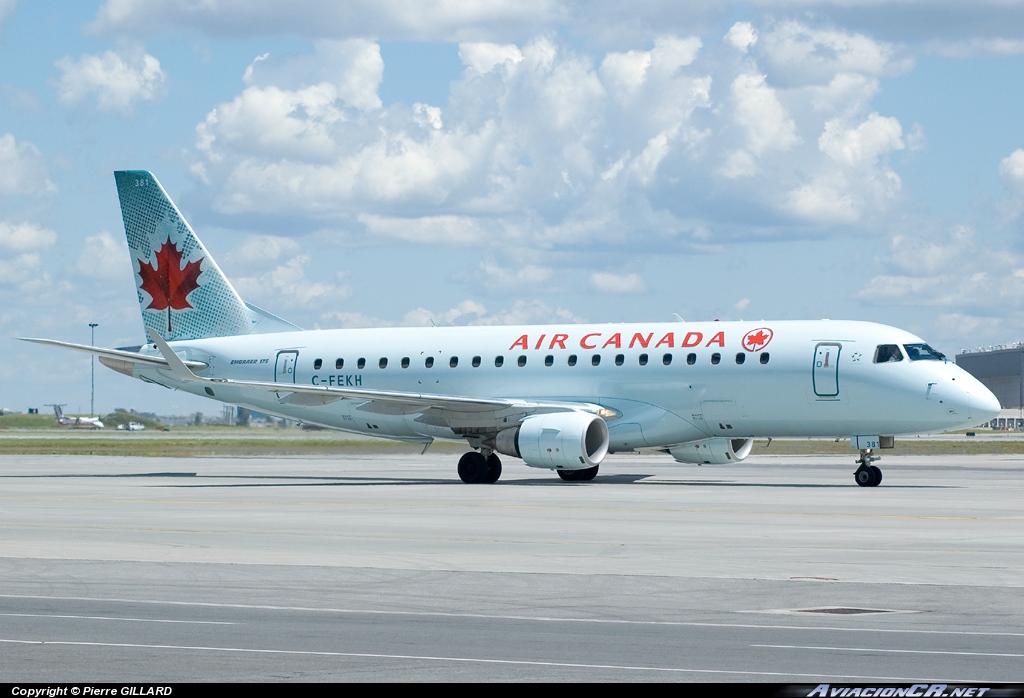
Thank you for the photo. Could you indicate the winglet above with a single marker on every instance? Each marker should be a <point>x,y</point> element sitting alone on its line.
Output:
<point>177,366</point>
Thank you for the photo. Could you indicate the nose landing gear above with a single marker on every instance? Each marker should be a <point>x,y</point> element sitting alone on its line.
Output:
<point>868,475</point>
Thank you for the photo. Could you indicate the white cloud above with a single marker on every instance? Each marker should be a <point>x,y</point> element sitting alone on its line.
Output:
<point>257,249</point>
<point>799,53</point>
<point>118,82</point>
<point>528,277</point>
<point>824,200</point>
<point>6,8</point>
<point>541,146</point>
<point>482,57</point>
<point>396,19</point>
<point>761,115</point>
<point>863,144</point>
<point>467,312</point>
<point>742,36</point>
<point>951,270</point>
<point>287,285</point>
<point>103,257</point>
<point>25,236</point>
<point>608,282</point>
<point>1011,170</point>
<point>445,230</point>
<point>22,170</point>
<point>20,270</point>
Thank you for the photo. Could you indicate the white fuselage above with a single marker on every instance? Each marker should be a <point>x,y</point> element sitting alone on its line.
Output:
<point>670,383</point>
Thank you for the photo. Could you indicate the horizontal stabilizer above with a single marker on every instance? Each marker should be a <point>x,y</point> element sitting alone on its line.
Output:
<point>116,354</point>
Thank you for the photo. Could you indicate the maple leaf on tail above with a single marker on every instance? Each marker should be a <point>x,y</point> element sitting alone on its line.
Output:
<point>168,282</point>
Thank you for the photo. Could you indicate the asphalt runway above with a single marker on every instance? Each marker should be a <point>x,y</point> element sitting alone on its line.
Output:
<point>387,568</point>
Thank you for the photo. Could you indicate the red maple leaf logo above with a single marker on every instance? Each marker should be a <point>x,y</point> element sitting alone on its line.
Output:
<point>757,339</point>
<point>169,282</point>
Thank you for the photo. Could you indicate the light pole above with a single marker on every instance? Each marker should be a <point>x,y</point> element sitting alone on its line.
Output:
<point>92,371</point>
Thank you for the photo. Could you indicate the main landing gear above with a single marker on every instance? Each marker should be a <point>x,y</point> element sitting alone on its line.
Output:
<point>477,469</point>
<point>584,475</point>
<point>868,475</point>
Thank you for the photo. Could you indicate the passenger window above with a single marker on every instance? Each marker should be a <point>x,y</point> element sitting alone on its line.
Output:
<point>429,362</point>
<point>691,359</point>
<point>383,363</point>
<point>453,362</point>
<point>887,354</point>
<point>476,362</point>
<point>317,364</point>
<point>740,358</point>
<point>572,360</point>
<point>405,362</point>
<point>339,364</point>
<point>499,361</point>
<point>716,359</point>
<point>522,360</point>
<point>361,363</point>
<point>765,357</point>
<point>595,360</point>
<point>666,359</point>
<point>619,358</point>
<point>643,359</point>
<point>549,360</point>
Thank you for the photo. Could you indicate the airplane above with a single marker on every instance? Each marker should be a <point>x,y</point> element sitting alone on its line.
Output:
<point>75,422</point>
<point>558,397</point>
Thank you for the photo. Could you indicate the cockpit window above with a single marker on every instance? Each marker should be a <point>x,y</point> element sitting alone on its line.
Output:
<point>888,353</point>
<point>923,352</point>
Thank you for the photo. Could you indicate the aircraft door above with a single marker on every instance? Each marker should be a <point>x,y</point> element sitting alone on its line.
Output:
<point>284,369</point>
<point>825,373</point>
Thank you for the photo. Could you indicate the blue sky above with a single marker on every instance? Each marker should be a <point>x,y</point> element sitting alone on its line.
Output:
<point>397,163</point>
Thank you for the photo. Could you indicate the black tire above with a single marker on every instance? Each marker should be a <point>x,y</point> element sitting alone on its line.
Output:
<point>864,476</point>
<point>584,475</point>
<point>493,469</point>
<point>877,473</point>
<point>473,468</point>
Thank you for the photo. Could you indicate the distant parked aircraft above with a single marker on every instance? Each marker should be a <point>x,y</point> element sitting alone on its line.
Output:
<point>76,422</point>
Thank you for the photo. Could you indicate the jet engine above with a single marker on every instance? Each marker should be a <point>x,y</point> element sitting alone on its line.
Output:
<point>712,451</point>
<point>563,440</point>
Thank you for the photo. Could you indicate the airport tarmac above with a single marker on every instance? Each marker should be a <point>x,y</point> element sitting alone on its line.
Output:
<point>384,567</point>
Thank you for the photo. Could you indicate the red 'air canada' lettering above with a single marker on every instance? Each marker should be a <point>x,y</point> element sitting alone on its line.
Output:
<point>583,342</point>
<point>521,343</point>
<point>641,339</point>
<point>614,341</point>
<point>718,339</point>
<point>668,340</point>
<point>558,340</point>
<point>540,341</point>
<point>692,339</point>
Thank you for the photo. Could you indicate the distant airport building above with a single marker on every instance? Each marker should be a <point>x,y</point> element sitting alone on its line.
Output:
<point>1001,369</point>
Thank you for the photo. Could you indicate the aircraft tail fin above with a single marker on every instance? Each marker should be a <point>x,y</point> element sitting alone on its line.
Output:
<point>182,292</point>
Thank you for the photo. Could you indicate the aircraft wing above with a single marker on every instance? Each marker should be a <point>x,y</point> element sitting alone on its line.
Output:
<point>118,354</point>
<point>381,401</point>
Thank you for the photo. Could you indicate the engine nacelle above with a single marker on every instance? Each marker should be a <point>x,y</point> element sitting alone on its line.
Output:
<point>565,440</point>
<point>713,451</point>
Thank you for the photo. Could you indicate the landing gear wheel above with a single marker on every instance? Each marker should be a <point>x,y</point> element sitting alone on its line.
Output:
<point>863,476</point>
<point>868,476</point>
<point>584,475</point>
<point>493,469</point>
<point>473,468</point>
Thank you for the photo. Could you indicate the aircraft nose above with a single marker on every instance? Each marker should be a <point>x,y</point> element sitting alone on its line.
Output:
<point>984,406</point>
